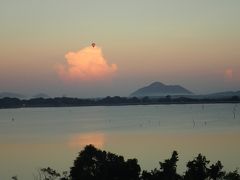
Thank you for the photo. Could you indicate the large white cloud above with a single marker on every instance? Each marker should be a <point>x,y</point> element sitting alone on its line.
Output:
<point>86,65</point>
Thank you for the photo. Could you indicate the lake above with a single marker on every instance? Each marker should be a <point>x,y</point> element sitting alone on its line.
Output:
<point>32,138</point>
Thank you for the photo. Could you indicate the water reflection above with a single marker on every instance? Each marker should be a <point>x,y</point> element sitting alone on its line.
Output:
<point>78,141</point>
<point>42,137</point>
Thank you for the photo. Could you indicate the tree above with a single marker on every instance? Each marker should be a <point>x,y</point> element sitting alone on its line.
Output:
<point>50,174</point>
<point>215,171</point>
<point>197,169</point>
<point>94,164</point>
<point>153,175</point>
<point>232,175</point>
<point>169,167</point>
<point>167,171</point>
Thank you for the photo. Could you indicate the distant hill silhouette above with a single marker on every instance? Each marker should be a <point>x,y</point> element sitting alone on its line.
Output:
<point>224,94</point>
<point>160,89</point>
<point>41,95</point>
<point>11,95</point>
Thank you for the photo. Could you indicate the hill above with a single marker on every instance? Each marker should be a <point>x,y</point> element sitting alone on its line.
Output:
<point>160,89</point>
<point>11,95</point>
<point>224,94</point>
<point>41,95</point>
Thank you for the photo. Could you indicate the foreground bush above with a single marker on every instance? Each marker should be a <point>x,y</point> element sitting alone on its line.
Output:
<point>94,164</point>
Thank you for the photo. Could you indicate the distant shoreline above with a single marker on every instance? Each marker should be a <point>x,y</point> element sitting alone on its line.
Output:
<point>10,103</point>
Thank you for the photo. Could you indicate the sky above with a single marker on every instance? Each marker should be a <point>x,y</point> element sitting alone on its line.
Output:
<point>46,46</point>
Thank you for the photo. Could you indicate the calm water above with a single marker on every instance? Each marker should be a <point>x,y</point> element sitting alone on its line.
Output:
<point>32,138</point>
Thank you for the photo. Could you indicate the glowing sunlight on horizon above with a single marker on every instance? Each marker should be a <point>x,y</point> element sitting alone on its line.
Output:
<point>81,140</point>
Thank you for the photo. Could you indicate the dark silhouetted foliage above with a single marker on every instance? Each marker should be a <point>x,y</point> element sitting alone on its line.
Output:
<point>197,169</point>
<point>167,171</point>
<point>235,98</point>
<point>232,175</point>
<point>215,172</point>
<point>50,174</point>
<point>108,101</point>
<point>169,167</point>
<point>94,164</point>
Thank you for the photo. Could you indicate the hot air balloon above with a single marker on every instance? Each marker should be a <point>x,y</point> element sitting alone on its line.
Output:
<point>93,45</point>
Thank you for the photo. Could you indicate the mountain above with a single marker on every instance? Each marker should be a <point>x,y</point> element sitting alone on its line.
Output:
<point>11,95</point>
<point>160,89</point>
<point>41,95</point>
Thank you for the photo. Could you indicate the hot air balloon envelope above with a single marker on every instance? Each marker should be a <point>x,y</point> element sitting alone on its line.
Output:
<point>93,44</point>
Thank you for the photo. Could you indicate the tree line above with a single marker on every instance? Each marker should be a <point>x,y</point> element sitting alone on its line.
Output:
<point>108,101</point>
<point>96,164</point>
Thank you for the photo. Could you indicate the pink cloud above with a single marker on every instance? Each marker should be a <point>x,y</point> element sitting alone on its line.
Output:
<point>86,65</point>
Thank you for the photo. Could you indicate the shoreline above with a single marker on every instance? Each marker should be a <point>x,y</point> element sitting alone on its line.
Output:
<point>15,103</point>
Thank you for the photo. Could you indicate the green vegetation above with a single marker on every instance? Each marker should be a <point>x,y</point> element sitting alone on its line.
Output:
<point>95,164</point>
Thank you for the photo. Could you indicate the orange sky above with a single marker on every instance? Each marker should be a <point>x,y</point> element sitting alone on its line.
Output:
<point>140,42</point>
